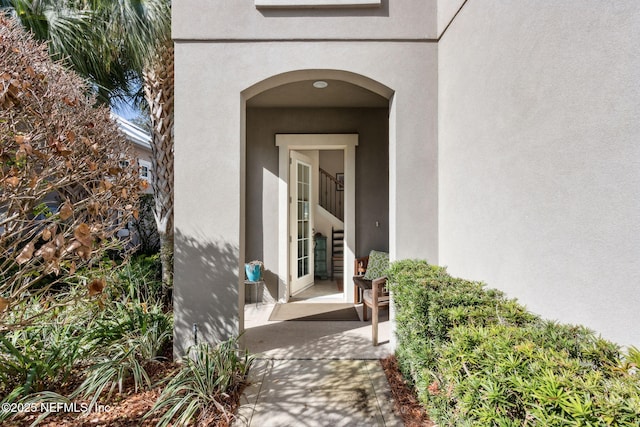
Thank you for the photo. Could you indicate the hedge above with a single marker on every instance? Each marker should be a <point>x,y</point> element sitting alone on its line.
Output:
<point>477,358</point>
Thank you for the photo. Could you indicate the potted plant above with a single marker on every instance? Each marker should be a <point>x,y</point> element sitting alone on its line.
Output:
<point>253,270</point>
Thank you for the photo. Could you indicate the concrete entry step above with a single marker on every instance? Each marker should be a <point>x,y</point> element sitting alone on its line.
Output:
<point>310,393</point>
<point>313,340</point>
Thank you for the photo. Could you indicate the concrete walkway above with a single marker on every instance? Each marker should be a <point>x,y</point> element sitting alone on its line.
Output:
<point>314,374</point>
<point>317,393</point>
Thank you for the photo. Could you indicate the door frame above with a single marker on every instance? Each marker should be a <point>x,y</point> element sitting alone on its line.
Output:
<point>302,142</point>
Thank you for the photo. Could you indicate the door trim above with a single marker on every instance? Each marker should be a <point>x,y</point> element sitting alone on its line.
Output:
<point>288,142</point>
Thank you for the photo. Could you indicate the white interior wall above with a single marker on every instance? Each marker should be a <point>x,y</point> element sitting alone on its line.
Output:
<point>331,161</point>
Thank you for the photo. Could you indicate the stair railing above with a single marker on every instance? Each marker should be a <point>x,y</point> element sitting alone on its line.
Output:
<point>331,194</point>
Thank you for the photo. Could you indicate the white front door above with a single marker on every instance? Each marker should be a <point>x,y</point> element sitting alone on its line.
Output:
<point>301,223</point>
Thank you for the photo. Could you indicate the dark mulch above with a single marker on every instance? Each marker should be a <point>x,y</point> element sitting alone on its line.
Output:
<point>128,408</point>
<point>121,410</point>
<point>405,401</point>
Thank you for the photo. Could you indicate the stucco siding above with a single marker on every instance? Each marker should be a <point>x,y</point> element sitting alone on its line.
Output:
<point>210,159</point>
<point>447,10</point>
<point>241,20</point>
<point>539,160</point>
<point>207,203</point>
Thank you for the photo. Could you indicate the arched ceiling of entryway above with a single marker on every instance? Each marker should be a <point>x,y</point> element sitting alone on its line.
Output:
<point>304,94</point>
<point>296,89</point>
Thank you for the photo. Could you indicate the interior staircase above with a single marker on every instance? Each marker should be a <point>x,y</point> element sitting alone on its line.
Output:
<point>331,194</point>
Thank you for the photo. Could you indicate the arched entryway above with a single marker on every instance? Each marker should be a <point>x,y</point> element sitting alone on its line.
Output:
<point>288,113</point>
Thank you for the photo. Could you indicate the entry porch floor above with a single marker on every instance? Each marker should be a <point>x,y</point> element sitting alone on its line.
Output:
<point>313,339</point>
<point>315,373</point>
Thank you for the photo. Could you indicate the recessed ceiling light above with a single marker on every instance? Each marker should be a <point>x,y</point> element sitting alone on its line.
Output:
<point>320,84</point>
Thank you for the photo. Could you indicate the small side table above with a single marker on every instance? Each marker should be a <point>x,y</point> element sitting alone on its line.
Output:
<point>255,286</point>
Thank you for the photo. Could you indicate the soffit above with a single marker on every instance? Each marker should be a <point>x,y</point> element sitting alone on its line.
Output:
<point>303,94</point>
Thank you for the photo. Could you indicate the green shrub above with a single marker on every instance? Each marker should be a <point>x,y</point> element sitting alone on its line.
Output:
<point>140,279</point>
<point>42,356</point>
<point>129,332</point>
<point>125,340</point>
<point>479,359</point>
<point>429,303</point>
<point>35,358</point>
<point>545,376</point>
<point>208,377</point>
<point>115,336</point>
<point>145,226</point>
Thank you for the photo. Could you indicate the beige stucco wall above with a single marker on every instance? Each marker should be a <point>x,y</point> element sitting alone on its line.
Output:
<point>539,156</point>
<point>446,11</point>
<point>512,155</point>
<point>210,159</point>
<point>241,20</point>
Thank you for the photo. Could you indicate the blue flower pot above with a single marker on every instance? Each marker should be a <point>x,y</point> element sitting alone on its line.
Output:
<point>253,272</point>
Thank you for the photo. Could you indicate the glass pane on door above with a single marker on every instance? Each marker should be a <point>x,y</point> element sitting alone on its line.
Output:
<point>304,225</point>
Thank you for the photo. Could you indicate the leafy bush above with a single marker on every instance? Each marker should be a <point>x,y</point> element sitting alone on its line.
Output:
<point>102,344</point>
<point>429,303</point>
<point>68,183</point>
<point>125,339</point>
<point>37,357</point>
<point>208,377</point>
<point>141,280</point>
<point>63,188</point>
<point>44,355</point>
<point>478,359</point>
<point>129,332</point>
<point>145,227</point>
